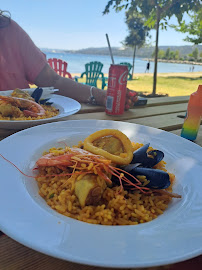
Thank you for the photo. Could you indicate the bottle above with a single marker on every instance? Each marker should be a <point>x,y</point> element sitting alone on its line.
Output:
<point>116,92</point>
<point>193,117</point>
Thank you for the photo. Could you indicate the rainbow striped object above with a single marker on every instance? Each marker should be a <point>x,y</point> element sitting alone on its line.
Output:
<point>194,113</point>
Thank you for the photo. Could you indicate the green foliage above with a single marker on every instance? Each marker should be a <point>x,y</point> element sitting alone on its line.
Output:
<point>194,28</point>
<point>148,8</point>
<point>167,54</point>
<point>157,14</point>
<point>161,54</point>
<point>195,53</point>
<point>177,55</point>
<point>137,30</point>
<point>172,55</point>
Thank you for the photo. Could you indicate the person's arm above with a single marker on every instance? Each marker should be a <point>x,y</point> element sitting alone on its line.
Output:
<point>38,71</point>
<point>68,87</point>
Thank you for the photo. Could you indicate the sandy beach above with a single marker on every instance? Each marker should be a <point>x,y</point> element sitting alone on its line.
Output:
<point>174,74</point>
<point>171,74</point>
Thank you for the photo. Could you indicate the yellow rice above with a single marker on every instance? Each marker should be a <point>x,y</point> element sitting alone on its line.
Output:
<point>115,208</point>
<point>50,111</point>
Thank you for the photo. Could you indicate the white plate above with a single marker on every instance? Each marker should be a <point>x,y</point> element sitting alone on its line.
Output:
<point>67,106</point>
<point>24,216</point>
<point>47,91</point>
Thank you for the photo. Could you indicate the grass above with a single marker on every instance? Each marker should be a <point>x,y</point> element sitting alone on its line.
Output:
<point>171,84</point>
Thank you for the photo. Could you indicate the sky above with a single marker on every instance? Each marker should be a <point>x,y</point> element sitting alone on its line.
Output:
<point>76,24</point>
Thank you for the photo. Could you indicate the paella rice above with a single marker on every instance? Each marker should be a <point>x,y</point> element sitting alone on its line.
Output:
<point>50,111</point>
<point>116,206</point>
<point>21,106</point>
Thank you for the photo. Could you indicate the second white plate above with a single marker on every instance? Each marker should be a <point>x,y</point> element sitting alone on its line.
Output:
<point>67,106</point>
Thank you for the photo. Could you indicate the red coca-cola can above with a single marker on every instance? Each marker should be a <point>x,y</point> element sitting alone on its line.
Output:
<point>116,92</point>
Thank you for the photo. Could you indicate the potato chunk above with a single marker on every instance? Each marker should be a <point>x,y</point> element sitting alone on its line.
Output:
<point>89,190</point>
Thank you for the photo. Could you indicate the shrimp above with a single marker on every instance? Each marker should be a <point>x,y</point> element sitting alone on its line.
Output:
<point>82,161</point>
<point>74,158</point>
<point>28,107</point>
<point>51,160</point>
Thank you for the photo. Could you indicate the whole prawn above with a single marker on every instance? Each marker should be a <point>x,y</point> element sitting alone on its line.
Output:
<point>28,107</point>
<point>82,161</point>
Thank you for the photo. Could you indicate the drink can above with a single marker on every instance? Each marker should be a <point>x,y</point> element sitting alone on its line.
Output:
<point>116,92</point>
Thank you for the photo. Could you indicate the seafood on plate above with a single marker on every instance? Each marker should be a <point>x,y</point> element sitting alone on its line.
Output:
<point>13,106</point>
<point>106,179</point>
<point>21,106</point>
<point>22,94</point>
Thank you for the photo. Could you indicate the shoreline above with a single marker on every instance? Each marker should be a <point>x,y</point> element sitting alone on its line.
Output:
<point>163,74</point>
<point>175,61</point>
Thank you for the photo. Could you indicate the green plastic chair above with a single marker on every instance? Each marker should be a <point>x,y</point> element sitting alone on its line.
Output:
<point>93,72</point>
<point>130,76</point>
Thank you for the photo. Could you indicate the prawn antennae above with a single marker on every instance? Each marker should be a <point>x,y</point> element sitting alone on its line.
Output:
<point>78,156</point>
<point>17,167</point>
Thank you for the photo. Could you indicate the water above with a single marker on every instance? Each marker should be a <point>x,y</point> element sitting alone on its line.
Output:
<point>76,63</point>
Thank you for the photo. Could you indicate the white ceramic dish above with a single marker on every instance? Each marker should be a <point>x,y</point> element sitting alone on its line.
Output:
<point>47,92</point>
<point>67,106</point>
<point>172,237</point>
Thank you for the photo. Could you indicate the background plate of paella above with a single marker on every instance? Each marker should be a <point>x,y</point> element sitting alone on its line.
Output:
<point>172,236</point>
<point>19,110</point>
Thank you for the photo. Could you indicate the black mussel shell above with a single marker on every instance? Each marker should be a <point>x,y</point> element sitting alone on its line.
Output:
<point>158,178</point>
<point>48,103</point>
<point>37,94</point>
<point>147,159</point>
<point>45,102</point>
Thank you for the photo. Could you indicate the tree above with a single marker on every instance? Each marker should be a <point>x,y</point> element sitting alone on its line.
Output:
<point>137,33</point>
<point>161,54</point>
<point>195,53</point>
<point>194,28</point>
<point>157,13</point>
<point>167,54</point>
<point>172,55</point>
<point>177,55</point>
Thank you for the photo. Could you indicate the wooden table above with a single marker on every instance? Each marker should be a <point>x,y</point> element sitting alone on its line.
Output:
<point>160,113</point>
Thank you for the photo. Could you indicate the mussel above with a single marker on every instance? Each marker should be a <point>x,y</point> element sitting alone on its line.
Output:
<point>45,102</point>
<point>142,165</point>
<point>157,179</point>
<point>147,159</point>
<point>37,94</point>
<point>37,97</point>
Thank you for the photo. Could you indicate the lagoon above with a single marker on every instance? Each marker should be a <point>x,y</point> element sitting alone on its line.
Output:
<point>76,63</point>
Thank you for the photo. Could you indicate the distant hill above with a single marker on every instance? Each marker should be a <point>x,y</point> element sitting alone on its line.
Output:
<point>128,52</point>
